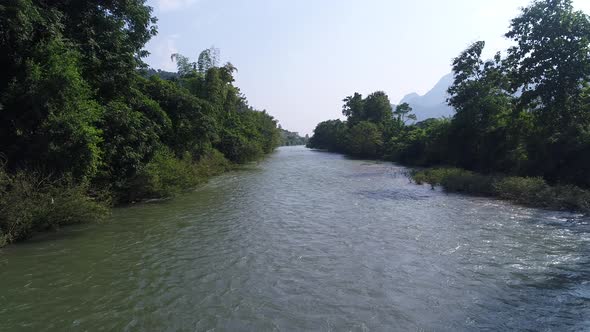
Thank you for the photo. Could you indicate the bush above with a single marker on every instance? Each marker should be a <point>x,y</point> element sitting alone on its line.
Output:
<point>456,180</point>
<point>572,197</point>
<point>30,203</point>
<point>212,163</point>
<point>523,190</point>
<point>166,176</point>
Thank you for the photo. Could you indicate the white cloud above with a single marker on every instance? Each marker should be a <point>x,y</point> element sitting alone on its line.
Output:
<point>161,48</point>
<point>170,5</point>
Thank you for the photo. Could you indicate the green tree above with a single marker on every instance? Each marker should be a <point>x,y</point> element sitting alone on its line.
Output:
<point>130,141</point>
<point>192,121</point>
<point>403,112</point>
<point>550,65</point>
<point>47,113</point>
<point>364,140</point>
<point>481,135</point>
<point>329,135</point>
<point>110,36</point>
<point>551,60</point>
<point>183,64</point>
<point>208,59</point>
<point>377,107</point>
<point>353,109</point>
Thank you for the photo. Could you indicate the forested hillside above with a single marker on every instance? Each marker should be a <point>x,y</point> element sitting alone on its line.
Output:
<point>525,113</point>
<point>83,123</point>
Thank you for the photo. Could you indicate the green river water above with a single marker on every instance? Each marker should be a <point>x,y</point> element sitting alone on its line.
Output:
<point>306,240</point>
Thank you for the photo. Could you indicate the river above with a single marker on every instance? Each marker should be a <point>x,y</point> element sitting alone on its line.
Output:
<point>306,240</point>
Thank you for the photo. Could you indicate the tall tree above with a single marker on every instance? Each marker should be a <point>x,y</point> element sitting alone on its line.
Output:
<point>208,59</point>
<point>550,65</point>
<point>353,108</point>
<point>110,35</point>
<point>47,111</point>
<point>551,60</point>
<point>403,112</point>
<point>377,107</point>
<point>483,104</point>
<point>183,64</point>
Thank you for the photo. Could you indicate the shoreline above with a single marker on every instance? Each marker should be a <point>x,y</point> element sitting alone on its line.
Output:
<point>532,192</point>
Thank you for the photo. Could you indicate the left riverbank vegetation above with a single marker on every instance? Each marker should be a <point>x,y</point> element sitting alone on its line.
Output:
<point>84,123</point>
<point>521,129</point>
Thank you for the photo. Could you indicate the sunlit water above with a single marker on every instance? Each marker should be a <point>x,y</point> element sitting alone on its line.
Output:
<point>306,240</point>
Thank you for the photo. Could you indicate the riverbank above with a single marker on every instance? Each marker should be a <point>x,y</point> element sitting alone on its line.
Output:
<point>528,191</point>
<point>30,203</point>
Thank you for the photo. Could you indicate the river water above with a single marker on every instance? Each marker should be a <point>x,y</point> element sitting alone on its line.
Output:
<point>306,240</point>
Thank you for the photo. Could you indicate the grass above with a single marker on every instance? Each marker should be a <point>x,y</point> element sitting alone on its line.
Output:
<point>529,191</point>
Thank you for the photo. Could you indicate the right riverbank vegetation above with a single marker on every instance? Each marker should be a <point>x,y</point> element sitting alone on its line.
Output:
<point>85,125</point>
<point>521,128</point>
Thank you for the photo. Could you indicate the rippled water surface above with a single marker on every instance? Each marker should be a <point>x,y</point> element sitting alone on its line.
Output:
<point>306,240</point>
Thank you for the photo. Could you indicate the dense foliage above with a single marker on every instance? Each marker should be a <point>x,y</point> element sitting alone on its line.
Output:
<point>80,114</point>
<point>290,138</point>
<point>524,114</point>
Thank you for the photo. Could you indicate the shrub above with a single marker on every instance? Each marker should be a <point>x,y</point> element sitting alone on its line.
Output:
<point>30,203</point>
<point>572,198</point>
<point>456,180</point>
<point>212,163</point>
<point>166,176</point>
<point>523,190</point>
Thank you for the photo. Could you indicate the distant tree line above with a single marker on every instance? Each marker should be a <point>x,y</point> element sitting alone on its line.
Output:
<point>289,138</point>
<point>165,75</point>
<point>83,121</point>
<point>524,113</point>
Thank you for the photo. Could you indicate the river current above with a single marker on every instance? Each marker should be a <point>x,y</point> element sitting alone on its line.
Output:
<point>306,240</point>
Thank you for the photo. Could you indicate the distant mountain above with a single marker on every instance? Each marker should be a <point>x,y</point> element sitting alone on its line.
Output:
<point>434,103</point>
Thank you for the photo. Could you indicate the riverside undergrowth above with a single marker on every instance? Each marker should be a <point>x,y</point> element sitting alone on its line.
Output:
<point>529,191</point>
<point>32,203</point>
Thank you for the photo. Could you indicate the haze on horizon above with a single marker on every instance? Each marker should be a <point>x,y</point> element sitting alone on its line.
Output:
<point>299,59</point>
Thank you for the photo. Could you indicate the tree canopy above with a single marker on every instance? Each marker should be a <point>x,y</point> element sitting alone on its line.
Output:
<point>76,98</point>
<point>526,113</point>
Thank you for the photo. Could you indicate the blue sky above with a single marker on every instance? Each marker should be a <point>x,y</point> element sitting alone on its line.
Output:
<point>298,59</point>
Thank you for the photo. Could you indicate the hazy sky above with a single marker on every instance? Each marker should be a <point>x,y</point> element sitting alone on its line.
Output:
<point>299,58</point>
